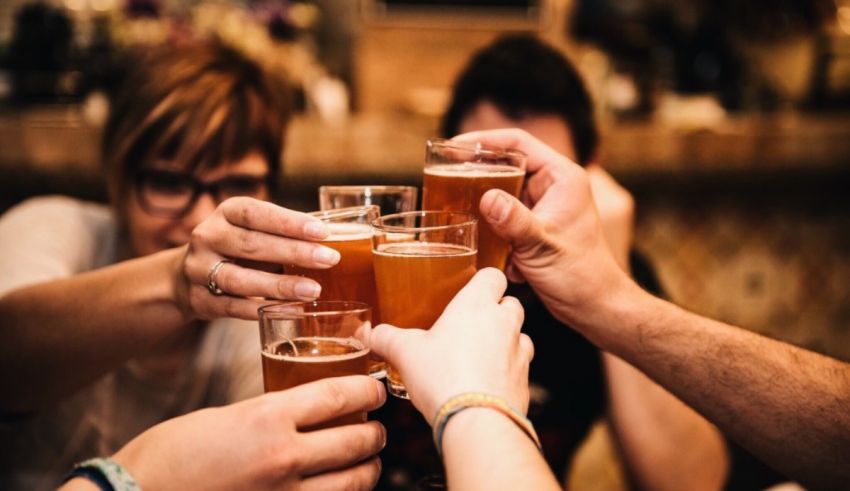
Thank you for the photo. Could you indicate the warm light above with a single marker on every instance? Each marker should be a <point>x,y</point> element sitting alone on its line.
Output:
<point>102,5</point>
<point>75,4</point>
<point>844,19</point>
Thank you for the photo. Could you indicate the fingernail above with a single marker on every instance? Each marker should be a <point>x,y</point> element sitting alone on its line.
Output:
<point>326,255</point>
<point>307,289</point>
<point>315,229</point>
<point>500,209</point>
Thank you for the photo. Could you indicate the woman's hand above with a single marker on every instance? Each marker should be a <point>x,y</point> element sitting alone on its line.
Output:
<point>255,237</point>
<point>257,443</point>
<point>475,345</point>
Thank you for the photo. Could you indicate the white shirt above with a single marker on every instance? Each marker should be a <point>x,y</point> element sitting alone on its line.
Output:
<point>48,238</point>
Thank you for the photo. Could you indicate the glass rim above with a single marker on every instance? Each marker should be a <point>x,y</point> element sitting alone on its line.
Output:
<point>477,147</point>
<point>471,220</point>
<point>284,310</point>
<point>347,212</point>
<point>355,187</point>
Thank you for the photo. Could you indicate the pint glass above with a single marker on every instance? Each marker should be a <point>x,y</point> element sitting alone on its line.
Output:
<point>422,259</point>
<point>353,278</point>
<point>457,175</point>
<point>307,341</point>
<point>390,199</point>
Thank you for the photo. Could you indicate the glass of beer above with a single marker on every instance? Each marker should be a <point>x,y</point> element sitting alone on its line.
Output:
<point>307,341</point>
<point>391,199</point>
<point>353,278</point>
<point>422,259</point>
<point>457,174</point>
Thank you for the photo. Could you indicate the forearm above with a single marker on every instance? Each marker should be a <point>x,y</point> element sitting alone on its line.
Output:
<point>79,484</point>
<point>486,450</point>
<point>761,392</point>
<point>60,335</point>
<point>664,443</point>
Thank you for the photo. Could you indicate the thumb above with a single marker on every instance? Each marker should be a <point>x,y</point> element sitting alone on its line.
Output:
<point>511,220</point>
<point>388,342</point>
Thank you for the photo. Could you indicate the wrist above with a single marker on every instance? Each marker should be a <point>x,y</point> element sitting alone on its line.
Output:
<point>467,401</point>
<point>178,286</point>
<point>612,320</point>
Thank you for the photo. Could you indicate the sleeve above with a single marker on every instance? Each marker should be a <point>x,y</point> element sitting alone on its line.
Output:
<point>43,239</point>
<point>239,373</point>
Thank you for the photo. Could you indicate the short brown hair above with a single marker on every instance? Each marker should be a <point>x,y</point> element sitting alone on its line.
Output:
<point>202,105</point>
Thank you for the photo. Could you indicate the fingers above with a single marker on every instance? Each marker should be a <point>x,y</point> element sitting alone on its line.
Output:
<point>511,220</point>
<point>317,402</point>
<point>267,217</point>
<point>387,342</point>
<point>340,447</point>
<point>485,288</point>
<point>239,242</point>
<point>206,306</point>
<point>245,282</point>
<point>513,273</point>
<point>539,154</point>
<point>526,346</point>
<point>513,310</point>
<point>362,476</point>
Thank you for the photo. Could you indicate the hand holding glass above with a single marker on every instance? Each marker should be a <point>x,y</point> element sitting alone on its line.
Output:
<point>457,174</point>
<point>307,341</point>
<point>422,259</point>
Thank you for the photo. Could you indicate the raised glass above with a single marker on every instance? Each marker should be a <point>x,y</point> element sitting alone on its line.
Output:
<point>353,277</point>
<point>391,199</point>
<point>457,174</point>
<point>422,259</point>
<point>307,341</point>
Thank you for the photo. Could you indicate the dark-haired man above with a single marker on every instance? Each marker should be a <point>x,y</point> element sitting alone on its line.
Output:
<point>522,82</point>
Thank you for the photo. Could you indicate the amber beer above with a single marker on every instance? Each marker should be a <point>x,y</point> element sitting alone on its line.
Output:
<point>460,187</point>
<point>353,277</point>
<point>457,174</point>
<point>420,267</point>
<point>290,363</point>
<point>307,341</point>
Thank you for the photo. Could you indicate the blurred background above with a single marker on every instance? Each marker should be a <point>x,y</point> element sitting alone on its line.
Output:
<point>728,120</point>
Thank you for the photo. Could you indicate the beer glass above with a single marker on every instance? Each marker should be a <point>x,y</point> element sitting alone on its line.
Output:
<point>307,341</point>
<point>353,277</point>
<point>391,199</point>
<point>457,174</point>
<point>422,259</point>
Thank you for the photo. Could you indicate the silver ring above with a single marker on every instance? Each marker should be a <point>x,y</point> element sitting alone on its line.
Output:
<point>212,286</point>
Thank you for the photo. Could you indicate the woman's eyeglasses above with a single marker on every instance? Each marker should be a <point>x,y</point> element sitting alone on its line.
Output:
<point>172,194</point>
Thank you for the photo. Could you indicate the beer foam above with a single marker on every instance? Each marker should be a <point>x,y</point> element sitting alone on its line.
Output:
<point>423,249</point>
<point>472,169</point>
<point>348,231</point>
<point>361,350</point>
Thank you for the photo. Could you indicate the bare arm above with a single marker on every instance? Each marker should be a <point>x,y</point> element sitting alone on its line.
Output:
<point>665,444</point>
<point>62,334</point>
<point>484,450</point>
<point>786,405</point>
<point>475,346</point>
<point>275,447</point>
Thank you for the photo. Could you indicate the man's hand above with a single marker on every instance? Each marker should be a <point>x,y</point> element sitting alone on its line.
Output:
<point>559,245</point>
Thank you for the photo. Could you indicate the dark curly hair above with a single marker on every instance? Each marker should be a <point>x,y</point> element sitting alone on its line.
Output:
<point>522,75</point>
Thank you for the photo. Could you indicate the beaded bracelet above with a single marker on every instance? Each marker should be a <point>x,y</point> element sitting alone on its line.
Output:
<point>107,474</point>
<point>467,400</point>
